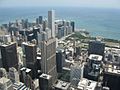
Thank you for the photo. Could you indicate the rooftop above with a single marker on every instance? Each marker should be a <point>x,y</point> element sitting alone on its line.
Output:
<point>28,44</point>
<point>69,61</point>
<point>28,70</point>
<point>20,86</point>
<point>12,69</point>
<point>62,85</point>
<point>95,57</point>
<point>45,76</point>
<point>59,50</point>
<point>3,80</point>
<point>7,44</point>
<point>112,69</point>
<point>87,84</point>
<point>38,58</point>
<point>25,69</point>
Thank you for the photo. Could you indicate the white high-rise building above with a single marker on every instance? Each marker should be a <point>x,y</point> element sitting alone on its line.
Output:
<point>5,84</point>
<point>13,75</point>
<point>5,38</point>
<point>3,73</point>
<point>51,22</point>
<point>48,31</point>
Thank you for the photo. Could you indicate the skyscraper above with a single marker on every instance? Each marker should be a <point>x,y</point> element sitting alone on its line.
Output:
<point>5,84</point>
<point>25,23</point>
<point>40,19</point>
<point>76,73</point>
<point>51,22</point>
<point>45,25</point>
<point>23,72</point>
<point>3,73</point>
<point>30,52</point>
<point>45,82</point>
<point>9,55</point>
<point>73,26</point>
<point>13,75</point>
<point>96,47</point>
<point>31,57</point>
<point>48,55</point>
<point>60,58</point>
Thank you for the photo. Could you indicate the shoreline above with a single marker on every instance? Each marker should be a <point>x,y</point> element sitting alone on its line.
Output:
<point>84,32</point>
<point>78,35</point>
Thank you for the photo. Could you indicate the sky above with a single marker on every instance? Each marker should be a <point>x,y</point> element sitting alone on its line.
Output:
<point>61,3</point>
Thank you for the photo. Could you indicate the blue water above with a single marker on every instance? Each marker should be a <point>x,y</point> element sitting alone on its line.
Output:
<point>99,22</point>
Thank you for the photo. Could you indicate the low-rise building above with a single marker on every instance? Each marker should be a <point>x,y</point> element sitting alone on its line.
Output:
<point>86,84</point>
<point>62,85</point>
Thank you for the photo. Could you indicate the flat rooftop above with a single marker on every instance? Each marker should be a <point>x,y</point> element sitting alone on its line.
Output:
<point>45,76</point>
<point>69,61</point>
<point>25,69</point>
<point>59,50</point>
<point>3,80</point>
<point>95,57</point>
<point>28,44</point>
<point>112,69</point>
<point>38,58</point>
<point>20,86</point>
<point>7,44</point>
<point>86,84</point>
<point>62,85</point>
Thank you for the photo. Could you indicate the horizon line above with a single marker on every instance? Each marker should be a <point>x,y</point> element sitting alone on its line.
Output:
<point>59,7</point>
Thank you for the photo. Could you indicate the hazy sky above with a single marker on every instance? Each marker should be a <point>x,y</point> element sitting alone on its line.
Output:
<point>54,3</point>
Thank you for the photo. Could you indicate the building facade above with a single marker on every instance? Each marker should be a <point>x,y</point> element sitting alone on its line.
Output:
<point>48,56</point>
<point>9,56</point>
<point>51,22</point>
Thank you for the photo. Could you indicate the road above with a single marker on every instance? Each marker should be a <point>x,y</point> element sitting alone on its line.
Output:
<point>63,38</point>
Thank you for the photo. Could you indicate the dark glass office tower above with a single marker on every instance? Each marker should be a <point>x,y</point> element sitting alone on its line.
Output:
<point>96,47</point>
<point>9,56</point>
<point>73,26</point>
<point>60,58</point>
<point>31,57</point>
<point>45,82</point>
<point>40,19</point>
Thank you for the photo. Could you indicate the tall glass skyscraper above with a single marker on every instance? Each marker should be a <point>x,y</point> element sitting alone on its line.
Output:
<point>51,22</point>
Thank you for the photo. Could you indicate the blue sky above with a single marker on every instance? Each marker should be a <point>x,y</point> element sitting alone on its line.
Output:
<point>55,3</point>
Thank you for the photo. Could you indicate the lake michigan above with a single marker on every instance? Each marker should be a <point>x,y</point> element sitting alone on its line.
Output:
<point>98,21</point>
